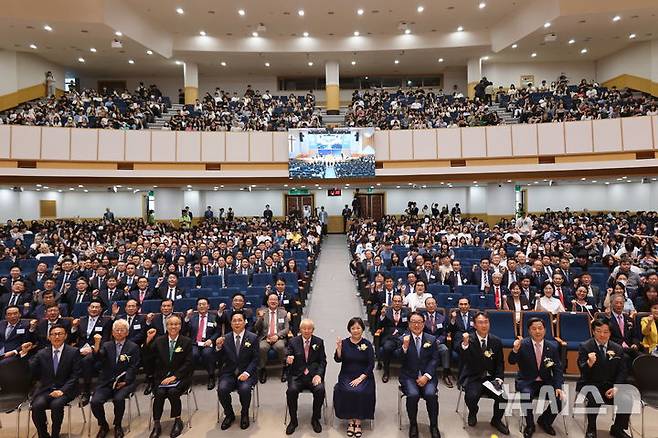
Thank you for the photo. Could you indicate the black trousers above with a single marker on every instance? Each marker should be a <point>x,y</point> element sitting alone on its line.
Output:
<point>43,402</point>
<point>171,394</point>
<point>228,384</point>
<point>102,395</point>
<point>298,384</point>
<point>389,345</point>
<point>206,357</point>
<point>549,415</point>
<point>621,420</point>
<point>473,392</point>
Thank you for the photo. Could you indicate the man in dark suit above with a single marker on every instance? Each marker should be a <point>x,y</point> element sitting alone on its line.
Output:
<point>393,322</point>
<point>461,321</point>
<point>307,363</point>
<point>38,277</point>
<point>602,365</point>
<point>539,365</point>
<point>272,327</point>
<point>171,290</point>
<point>143,292</point>
<point>82,334</point>
<point>52,318</point>
<point>419,356</point>
<point>119,359</point>
<point>136,322</point>
<point>428,274</point>
<point>482,275</point>
<point>562,292</point>
<point>622,330</point>
<point>437,326</point>
<point>538,275</point>
<point>457,277</point>
<point>171,355</point>
<point>237,305</point>
<point>567,272</point>
<point>482,356</point>
<point>66,276</point>
<point>57,368</point>
<point>528,290</point>
<point>237,353</point>
<point>159,321</point>
<point>18,297</point>
<point>203,329</point>
<point>498,290</point>
<point>14,332</point>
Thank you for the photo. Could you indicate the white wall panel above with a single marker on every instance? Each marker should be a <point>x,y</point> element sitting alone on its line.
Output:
<point>655,131</point>
<point>163,146</point>
<point>424,144</point>
<point>381,145</point>
<point>25,142</point>
<point>213,147</point>
<point>474,142</point>
<point>578,137</point>
<point>449,143</point>
<point>551,138</point>
<point>5,141</point>
<point>237,147</point>
<point>84,144</point>
<point>524,139</point>
<point>281,145</point>
<point>138,145</point>
<point>260,145</point>
<point>607,135</point>
<point>401,147</point>
<point>499,141</point>
<point>636,133</point>
<point>188,147</point>
<point>55,143</point>
<point>111,145</point>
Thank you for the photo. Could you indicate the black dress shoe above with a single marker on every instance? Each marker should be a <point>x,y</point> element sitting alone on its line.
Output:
<point>434,432</point>
<point>546,427</point>
<point>413,430</point>
<point>244,421</point>
<point>228,420</point>
<point>291,427</point>
<point>211,384</point>
<point>500,426</point>
<point>262,376</point>
<point>590,434</point>
<point>118,432</point>
<point>317,427</point>
<point>177,428</point>
<point>618,433</point>
<point>472,419</point>
<point>379,365</point>
<point>103,430</point>
<point>385,378</point>
<point>155,433</point>
<point>148,388</point>
<point>448,381</point>
<point>528,431</point>
<point>84,399</point>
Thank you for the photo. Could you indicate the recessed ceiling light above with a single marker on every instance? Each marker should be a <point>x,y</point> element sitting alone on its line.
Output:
<point>460,29</point>
<point>397,187</point>
<point>547,25</point>
<point>407,31</point>
<point>310,63</point>
<point>59,191</point>
<point>38,185</point>
<point>514,46</point>
<point>616,18</point>
<point>583,51</point>
<point>607,183</point>
<point>223,63</point>
<point>241,12</point>
<point>47,28</point>
<point>33,46</point>
<point>440,59</point>
<point>149,52</point>
<point>203,33</point>
<point>594,181</point>
<point>485,58</point>
<point>482,5</point>
<point>305,34</point>
<point>92,50</point>
<point>179,62</point>
<point>359,11</point>
<point>118,33</point>
<point>397,61</point>
<point>81,60</point>
<point>254,34</point>
<point>353,62</point>
<point>572,41</point>
<point>86,191</point>
<point>180,11</point>
<point>632,36</point>
<point>300,12</point>
<point>533,55</point>
<point>583,179</point>
<point>189,186</point>
<point>420,9</point>
<point>267,64</point>
<point>131,61</point>
<point>356,33</point>
<point>71,189</point>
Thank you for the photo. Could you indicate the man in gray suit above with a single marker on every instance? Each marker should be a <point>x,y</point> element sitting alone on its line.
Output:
<point>272,327</point>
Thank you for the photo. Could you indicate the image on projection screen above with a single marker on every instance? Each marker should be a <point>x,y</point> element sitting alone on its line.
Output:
<point>331,153</point>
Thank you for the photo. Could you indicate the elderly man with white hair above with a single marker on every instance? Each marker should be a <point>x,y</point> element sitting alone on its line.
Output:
<point>119,359</point>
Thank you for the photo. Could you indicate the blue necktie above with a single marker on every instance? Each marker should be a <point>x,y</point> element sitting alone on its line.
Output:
<point>119,347</point>
<point>55,360</point>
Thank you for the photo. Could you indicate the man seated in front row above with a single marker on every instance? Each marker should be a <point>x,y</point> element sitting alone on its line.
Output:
<point>203,329</point>
<point>272,327</point>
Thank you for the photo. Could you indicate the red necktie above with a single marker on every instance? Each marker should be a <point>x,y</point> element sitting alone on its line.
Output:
<point>497,297</point>
<point>559,294</point>
<point>199,333</point>
<point>272,324</point>
<point>306,351</point>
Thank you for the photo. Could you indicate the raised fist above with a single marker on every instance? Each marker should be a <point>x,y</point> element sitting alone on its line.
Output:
<point>465,338</point>
<point>405,342</point>
<point>591,358</point>
<point>222,307</point>
<point>76,322</point>
<point>517,345</point>
<point>188,314</point>
<point>219,342</point>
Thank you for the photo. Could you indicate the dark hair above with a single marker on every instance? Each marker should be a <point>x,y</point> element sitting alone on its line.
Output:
<point>653,303</point>
<point>480,313</point>
<point>355,320</point>
<point>238,294</point>
<point>599,322</point>
<point>12,307</point>
<point>533,320</point>
<point>167,299</point>
<point>238,312</point>
<point>416,313</point>
<point>56,326</point>
<point>202,298</point>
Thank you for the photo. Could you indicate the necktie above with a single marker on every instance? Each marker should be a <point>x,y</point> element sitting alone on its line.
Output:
<point>418,345</point>
<point>14,300</point>
<point>307,345</point>
<point>432,323</point>
<point>130,321</point>
<point>202,324</point>
<point>66,279</point>
<point>459,279</point>
<point>620,322</point>
<point>8,331</point>
<point>484,344</point>
<point>512,277</point>
<point>80,297</point>
<point>465,319</point>
<point>142,293</point>
<point>119,347</point>
<point>171,293</point>
<point>497,297</point>
<point>538,353</point>
<point>55,360</point>
<point>388,298</point>
<point>396,316</point>
<point>272,324</point>
<point>172,347</point>
<point>90,326</point>
<point>485,279</point>
<point>559,294</point>
<point>602,351</point>
<point>39,277</point>
<point>237,344</point>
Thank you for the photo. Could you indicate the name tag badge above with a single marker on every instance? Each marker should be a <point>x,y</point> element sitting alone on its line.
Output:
<point>98,329</point>
<point>200,344</point>
<point>471,324</point>
<point>20,331</point>
<point>588,307</point>
<point>178,297</point>
<point>525,307</point>
<point>137,326</point>
<point>286,301</point>
<point>432,277</point>
<point>404,319</point>
<point>210,324</point>
<point>439,326</point>
<point>282,320</point>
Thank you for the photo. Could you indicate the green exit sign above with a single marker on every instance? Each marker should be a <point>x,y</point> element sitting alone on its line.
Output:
<point>298,192</point>
<point>370,189</point>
